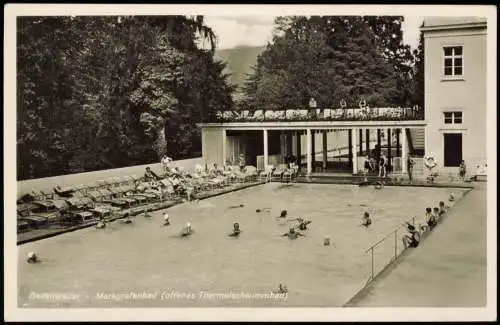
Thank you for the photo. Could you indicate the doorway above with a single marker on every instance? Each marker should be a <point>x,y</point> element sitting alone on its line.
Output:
<point>452,149</point>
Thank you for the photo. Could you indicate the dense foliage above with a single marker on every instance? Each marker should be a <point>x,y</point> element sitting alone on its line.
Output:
<point>106,92</point>
<point>333,58</point>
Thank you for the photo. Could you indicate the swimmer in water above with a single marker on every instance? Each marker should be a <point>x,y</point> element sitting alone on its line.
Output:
<point>451,198</point>
<point>187,231</point>
<point>282,289</point>
<point>147,213</point>
<point>379,185</point>
<point>166,221</point>
<point>292,234</point>
<point>236,230</point>
<point>283,214</point>
<point>32,258</point>
<point>303,223</point>
<point>262,210</point>
<point>366,220</point>
<point>236,206</point>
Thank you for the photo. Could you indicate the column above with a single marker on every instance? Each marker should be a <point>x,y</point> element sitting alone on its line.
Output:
<point>313,148</point>
<point>325,150</point>
<point>354,153</point>
<point>349,144</point>
<point>367,141</point>
<point>289,143</point>
<point>398,134</point>
<point>224,145</point>
<point>266,145</point>
<point>299,149</point>
<point>403,150</point>
<point>360,142</point>
<point>309,151</point>
<point>282,147</point>
<point>379,141</point>
<point>389,149</point>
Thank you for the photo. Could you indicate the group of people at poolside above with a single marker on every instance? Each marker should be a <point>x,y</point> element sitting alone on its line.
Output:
<point>432,217</point>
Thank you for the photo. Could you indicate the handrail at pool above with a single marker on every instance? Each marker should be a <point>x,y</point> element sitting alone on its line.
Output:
<point>372,247</point>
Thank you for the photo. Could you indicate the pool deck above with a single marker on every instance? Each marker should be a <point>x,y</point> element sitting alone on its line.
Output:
<point>448,269</point>
<point>39,234</point>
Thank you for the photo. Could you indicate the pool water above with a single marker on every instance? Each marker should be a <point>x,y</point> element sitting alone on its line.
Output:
<point>164,270</point>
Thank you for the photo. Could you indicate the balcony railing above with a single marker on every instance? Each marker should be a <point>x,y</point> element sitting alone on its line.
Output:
<point>316,114</point>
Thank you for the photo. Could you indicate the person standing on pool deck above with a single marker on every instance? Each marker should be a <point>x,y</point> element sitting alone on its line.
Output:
<point>409,164</point>
<point>367,167</point>
<point>382,172</point>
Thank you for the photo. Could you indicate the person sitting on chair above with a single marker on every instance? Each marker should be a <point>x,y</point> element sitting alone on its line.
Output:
<point>149,175</point>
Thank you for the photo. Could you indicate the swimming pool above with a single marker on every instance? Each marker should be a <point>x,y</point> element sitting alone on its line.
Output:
<point>146,265</point>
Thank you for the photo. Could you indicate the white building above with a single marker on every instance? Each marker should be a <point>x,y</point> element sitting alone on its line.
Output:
<point>455,91</point>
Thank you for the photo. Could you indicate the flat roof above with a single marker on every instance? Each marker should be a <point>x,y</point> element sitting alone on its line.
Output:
<point>433,23</point>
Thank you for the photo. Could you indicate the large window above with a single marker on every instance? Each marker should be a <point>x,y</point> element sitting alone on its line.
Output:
<point>453,61</point>
<point>453,117</point>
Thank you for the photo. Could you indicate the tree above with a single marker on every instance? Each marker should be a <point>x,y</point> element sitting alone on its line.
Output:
<point>328,58</point>
<point>106,92</point>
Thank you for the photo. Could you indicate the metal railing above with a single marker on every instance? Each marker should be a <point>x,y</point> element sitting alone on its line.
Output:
<point>372,248</point>
<point>325,114</point>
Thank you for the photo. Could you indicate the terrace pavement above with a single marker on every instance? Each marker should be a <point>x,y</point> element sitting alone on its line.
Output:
<point>448,269</point>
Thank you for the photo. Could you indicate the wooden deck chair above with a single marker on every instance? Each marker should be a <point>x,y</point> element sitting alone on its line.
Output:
<point>266,175</point>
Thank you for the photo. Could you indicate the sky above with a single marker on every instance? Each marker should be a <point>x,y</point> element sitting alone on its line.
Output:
<point>257,30</point>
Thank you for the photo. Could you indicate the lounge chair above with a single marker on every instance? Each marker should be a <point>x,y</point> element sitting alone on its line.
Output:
<point>266,175</point>
<point>278,172</point>
<point>63,191</point>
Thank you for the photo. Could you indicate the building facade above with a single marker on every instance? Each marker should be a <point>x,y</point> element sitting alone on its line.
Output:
<point>455,91</point>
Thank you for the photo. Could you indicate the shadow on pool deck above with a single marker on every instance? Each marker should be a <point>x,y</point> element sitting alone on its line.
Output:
<point>448,269</point>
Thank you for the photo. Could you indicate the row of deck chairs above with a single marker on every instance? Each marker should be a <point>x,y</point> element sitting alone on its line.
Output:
<point>66,206</point>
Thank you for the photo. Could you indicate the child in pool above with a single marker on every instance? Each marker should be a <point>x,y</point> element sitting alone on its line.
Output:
<point>166,220</point>
<point>303,223</point>
<point>32,258</point>
<point>236,230</point>
<point>283,214</point>
<point>366,221</point>
<point>292,234</point>
<point>187,231</point>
